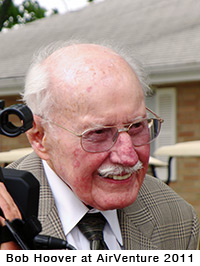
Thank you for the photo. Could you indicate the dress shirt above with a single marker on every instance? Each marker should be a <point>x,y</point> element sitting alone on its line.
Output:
<point>71,210</point>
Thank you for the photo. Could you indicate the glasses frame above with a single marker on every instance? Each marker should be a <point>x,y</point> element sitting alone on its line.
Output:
<point>120,130</point>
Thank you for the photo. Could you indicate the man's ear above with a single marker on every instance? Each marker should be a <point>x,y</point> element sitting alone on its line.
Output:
<point>37,136</point>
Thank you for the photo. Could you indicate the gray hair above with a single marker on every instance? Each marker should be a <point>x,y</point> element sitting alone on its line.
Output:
<point>37,95</point>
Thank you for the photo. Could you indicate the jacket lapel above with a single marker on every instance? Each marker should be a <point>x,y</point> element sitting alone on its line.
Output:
<point>137,225</point>
<point>48,215</point>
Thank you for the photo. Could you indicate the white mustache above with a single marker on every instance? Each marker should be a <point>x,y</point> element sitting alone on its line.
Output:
<point>118,169</point>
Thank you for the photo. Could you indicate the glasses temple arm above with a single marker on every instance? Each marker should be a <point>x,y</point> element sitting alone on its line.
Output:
<point>159,118</point>
<point>51,122</point>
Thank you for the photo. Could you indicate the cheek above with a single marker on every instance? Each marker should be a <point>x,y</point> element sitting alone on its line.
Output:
<point>143,154</point>
<point>88,161</point>
<point>82,165</point>
<point>76,160</point>
<point>84,168</point>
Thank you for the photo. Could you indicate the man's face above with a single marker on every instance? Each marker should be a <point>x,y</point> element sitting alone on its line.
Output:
<point>107,94</point>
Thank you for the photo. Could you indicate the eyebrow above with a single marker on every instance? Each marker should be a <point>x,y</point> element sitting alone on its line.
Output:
<point>112,124</point>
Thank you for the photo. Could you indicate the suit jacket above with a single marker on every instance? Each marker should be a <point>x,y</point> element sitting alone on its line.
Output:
<point>158,219</point>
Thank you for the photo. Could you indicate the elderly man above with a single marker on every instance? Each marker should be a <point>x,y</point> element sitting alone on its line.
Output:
<point>91,138</point>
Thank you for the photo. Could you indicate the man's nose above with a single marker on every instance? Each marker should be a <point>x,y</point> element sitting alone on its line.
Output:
<point>123,151</point>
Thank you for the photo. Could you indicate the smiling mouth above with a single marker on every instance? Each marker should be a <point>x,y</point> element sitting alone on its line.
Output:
<point>117,177</point>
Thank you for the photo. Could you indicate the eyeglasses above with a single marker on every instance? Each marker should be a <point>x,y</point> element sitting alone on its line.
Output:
<point>101,139</point>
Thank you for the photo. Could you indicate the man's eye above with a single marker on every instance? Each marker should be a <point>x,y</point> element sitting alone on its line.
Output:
<point>99,131</point>
<point>136,128</point>
<point>97,134</point>
<point>136,125</point>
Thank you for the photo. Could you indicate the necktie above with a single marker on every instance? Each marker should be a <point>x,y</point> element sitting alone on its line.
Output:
<point>92,225</point>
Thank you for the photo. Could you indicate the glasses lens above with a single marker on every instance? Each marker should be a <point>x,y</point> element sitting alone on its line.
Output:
<point>98,140</point>
<point>143,132</point>
<point>102,139</point>
<point>154,128</point>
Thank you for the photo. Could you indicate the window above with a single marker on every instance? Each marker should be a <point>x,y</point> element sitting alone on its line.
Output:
<point>164,104</point>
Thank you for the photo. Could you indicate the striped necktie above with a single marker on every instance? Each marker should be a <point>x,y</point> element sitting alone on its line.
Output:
<point>92,225</point>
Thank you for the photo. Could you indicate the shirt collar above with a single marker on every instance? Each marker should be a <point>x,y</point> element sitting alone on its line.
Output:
<point>71,209</point>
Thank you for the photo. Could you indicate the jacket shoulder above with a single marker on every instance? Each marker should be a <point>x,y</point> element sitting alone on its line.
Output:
<point>174,221</point>
<point>30,162</point>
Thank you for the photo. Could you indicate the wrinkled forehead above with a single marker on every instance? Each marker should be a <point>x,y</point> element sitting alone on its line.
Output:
<point>80,73</point>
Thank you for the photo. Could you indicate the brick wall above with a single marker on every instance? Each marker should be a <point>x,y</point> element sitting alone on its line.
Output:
<point>188,112</point>
<point>187,184</point>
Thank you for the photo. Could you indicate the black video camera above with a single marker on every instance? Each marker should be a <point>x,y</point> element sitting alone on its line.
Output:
<point>24,189</point>
<point>22,185</point>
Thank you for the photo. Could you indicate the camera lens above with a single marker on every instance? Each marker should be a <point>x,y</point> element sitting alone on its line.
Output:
<point>15,120</point>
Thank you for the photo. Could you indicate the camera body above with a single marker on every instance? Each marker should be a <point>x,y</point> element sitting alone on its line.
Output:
<point>22,185</point>
<point>24,189</point>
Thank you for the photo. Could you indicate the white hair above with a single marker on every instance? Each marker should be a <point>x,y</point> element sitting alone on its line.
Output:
<point>37,94</point>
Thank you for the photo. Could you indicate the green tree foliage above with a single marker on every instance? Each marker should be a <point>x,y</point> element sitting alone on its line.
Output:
<point>28,11</point>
